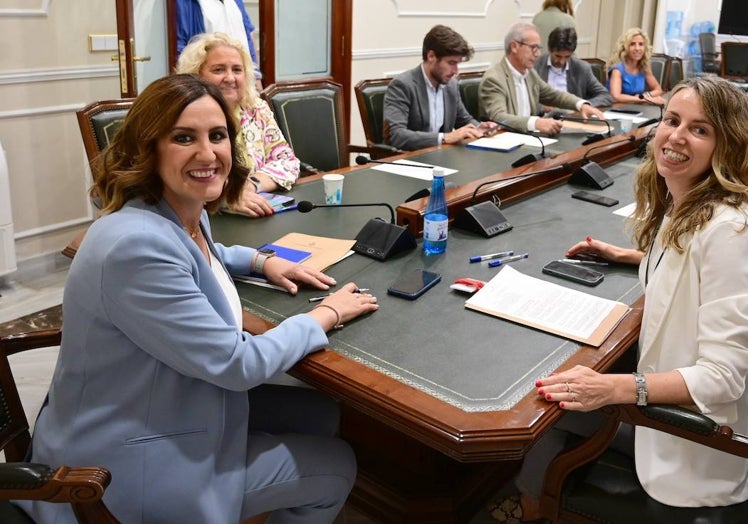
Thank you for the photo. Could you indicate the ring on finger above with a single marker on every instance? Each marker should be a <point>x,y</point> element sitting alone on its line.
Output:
<point>573,397</point>
<point>568,389</point>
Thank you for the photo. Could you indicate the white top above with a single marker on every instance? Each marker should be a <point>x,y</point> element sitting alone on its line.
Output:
<point>224,17</point>
<point>228,288</point>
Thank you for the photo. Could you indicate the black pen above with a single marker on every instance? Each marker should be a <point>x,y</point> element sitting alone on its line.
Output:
<point>320,299</point>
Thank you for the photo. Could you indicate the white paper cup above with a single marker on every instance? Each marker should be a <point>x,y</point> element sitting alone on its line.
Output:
<point>333,188</point>
<point>626,125</point>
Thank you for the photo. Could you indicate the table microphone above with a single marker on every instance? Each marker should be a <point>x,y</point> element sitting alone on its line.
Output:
<point>377,239</point>
<point>590,173</point>
<point>486,218</point>
<point>651,120</point>
<point>363,160</point>
<point>532,157</point>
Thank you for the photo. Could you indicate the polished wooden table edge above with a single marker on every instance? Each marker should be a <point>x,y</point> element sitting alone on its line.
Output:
<point>461,435</point>
<point>513,184</point>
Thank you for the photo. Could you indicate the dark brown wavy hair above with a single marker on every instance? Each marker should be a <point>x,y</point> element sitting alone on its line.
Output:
<point>126,169</point>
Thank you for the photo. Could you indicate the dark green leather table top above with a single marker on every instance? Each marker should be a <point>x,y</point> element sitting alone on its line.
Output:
<point>469,360</point>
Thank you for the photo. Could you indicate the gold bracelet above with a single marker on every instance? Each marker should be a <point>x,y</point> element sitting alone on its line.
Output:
<point>337,325</point>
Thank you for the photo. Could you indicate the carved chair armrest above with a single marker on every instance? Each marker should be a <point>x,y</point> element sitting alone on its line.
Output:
<point>18,342</point>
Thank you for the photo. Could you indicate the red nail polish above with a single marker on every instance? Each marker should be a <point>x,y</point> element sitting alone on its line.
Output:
<point>589,239</point>
<point>561,405</point>
<point>541,392</point>
<point>538,383</point>
<point>548,396</point>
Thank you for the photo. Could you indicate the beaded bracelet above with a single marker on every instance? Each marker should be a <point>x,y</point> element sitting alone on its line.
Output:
<point>337,325</point>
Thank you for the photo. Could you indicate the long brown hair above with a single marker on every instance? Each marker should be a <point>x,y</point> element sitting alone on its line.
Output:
<point>127,168</point>
<point>725,182</point>
<point>564,5</point>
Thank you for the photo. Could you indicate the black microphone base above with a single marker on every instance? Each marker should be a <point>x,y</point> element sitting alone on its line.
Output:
<point>485,219</point>
<point>380,240</point>
<point>591,175</point>
<point>527,159</point>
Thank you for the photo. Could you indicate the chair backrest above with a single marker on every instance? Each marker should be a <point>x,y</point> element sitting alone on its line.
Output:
<point>81,487</point>
<point>660,65</point>
<point>709,56</point>
<point>311,116</point>
<point>370,98</point>
<point>598,68</point>
<point>99,122</point>
<point>469,83</point>
<point>676,73</point>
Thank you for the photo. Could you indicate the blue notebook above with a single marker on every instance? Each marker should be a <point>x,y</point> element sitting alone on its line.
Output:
<point>294,255</point>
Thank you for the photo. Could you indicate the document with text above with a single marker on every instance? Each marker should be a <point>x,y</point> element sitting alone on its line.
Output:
<point>549,307</point>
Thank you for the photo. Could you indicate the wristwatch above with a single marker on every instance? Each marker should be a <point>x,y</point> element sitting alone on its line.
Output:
<point>641,389</point>
<point>255,182</point>
<point>258,263</point>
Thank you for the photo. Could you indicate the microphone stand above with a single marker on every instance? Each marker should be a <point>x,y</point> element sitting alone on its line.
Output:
<point>595,137</point>
<point>378,239</point>
<point>363,160</point>
<point>651,120</point>
<point>532,157</point>
<point>590,173</point>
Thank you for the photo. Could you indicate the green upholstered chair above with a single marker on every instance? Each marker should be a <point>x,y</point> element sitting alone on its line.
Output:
<point>310,115</point>
<point>660,65</point>
<point>710,61</point>
<point>370,98</point>
<point>81,487</point>
<point>589,483</point>
<point>468,83</point>
<point>676,73</point>
<point>598,69</point>
<point>99,122</point>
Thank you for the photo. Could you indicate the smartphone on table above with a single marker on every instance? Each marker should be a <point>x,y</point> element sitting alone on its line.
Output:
<point>574,272</point>
<point>414,284</point>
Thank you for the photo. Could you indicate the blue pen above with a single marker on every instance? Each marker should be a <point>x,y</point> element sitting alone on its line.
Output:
<point>284,209</point>
<point>481,258</point>
<point>502,261</point>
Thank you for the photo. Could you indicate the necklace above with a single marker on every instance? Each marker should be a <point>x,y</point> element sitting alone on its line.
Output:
<point>649,258</point>
<point>193,232</point>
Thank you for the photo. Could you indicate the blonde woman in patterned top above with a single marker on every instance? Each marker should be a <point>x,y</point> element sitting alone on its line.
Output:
<point>223,61</point>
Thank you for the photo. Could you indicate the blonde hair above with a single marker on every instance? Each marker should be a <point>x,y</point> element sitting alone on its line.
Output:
<point>564,5</point>
<point>195,53</point>
<point>622,48</point>
<point>725,182</point>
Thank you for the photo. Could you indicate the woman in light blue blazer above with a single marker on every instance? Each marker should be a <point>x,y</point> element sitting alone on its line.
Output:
<point>154,368</point>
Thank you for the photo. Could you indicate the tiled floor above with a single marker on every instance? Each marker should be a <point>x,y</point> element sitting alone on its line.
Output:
<point>33,302</point>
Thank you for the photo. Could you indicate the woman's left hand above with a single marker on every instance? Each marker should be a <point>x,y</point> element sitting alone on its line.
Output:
<point>578,389</point>
<point>284,273</point>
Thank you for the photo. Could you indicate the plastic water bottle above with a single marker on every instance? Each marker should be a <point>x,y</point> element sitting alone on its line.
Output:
<point>435,221</point>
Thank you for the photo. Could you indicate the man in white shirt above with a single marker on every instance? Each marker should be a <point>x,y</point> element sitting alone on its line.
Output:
<point>565,72</point>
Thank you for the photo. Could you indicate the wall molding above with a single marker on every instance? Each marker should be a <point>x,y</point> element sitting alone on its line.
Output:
<point>41,11</point>
<point>404,13</point>
<point>44,110</point>
<point>374,54</point>
<point>52,228</point>
<point>30,76</point>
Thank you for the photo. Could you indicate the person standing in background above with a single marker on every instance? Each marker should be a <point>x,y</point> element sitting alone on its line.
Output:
<point>565,72</point>
<point>555,13</point>
<point>630,77</point>
<point>209,16</point>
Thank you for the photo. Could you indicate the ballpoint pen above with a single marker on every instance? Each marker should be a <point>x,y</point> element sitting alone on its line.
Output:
<point>583,262</point>
<point>502,261</point>
<point>481,258</point>
<point>320,299</point>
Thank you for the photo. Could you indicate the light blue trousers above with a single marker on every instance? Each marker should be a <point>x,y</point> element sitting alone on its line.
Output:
<point>296,469</point>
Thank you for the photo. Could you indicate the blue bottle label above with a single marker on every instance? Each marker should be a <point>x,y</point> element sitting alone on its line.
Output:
<point>435,228</point>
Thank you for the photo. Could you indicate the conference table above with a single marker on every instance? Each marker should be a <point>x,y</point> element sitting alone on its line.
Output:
<point>438,400</point>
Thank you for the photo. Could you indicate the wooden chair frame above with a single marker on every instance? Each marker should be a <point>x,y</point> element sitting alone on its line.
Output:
<point>469,76</point>
<point>85,115</point>
<point>374,138</point>
<point>81,487</point>
<point>669,419</point>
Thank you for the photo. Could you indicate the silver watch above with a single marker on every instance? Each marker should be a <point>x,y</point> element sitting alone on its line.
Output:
<point>258,264</point>
<point>641,389</point>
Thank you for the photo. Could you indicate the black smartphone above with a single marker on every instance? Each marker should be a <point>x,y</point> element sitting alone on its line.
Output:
<point>414,284</point>
<point>595,199</point>
<point>574,272</point>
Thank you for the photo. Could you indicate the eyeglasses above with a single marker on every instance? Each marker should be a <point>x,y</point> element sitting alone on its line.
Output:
<point>535,48</point>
